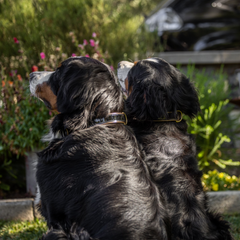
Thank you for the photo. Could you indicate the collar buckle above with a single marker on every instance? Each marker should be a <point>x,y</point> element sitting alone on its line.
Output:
<point>115,117</point>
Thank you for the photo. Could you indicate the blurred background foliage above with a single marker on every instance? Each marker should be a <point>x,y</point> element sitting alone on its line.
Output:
<point>43,25</point>
<point>38,35</point>
<point>212,127</point>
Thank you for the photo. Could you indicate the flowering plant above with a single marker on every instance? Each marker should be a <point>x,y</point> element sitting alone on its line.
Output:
<point>220,181</point>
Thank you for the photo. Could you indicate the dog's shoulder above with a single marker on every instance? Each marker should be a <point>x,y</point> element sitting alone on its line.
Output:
<point>97,141</point>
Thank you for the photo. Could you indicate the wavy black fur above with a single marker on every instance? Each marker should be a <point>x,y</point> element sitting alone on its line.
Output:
<point>158,91</point>
<point>75,233</point>
<point>95,176</point>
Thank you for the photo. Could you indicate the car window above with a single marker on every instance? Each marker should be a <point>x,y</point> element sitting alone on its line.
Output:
<point>181,5</point>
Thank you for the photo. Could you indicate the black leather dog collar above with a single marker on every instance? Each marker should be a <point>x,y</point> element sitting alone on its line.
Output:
<point>115,117</point>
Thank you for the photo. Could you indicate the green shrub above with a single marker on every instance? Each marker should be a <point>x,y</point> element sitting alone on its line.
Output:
<point>209,139</point>
<point>211,126</point>
<point>43,25</point>
<point>22,123</point>
<point>220,181</point>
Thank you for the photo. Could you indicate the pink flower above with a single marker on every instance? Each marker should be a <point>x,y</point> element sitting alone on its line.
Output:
<point>42,55</point>
<point>87,55</point>
<point>85,42</point>
<point>74,55</point>
<point>94,34</point>
<point>34,68</point>
<point>81,46</point>
<point>92,42</point>
<point>50,113</point>
<point>15,40</point>
<point>57,49</point>
<point>112,68</point>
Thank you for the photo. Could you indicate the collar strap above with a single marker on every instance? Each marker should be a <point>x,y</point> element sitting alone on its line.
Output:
<point>115,117</point>
<point>179,119</point>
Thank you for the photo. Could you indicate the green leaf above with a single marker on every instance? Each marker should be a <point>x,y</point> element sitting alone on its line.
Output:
<point>217,124</point>
<point>4,187</point>
<point>229,162</point>
<point>221,165</point>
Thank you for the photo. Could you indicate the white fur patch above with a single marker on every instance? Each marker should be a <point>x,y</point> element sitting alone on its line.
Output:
<point>38,196</point>
<point>37,78</point>
<point>50,136</point>
<point>122,72</point>
<point>152,60</point>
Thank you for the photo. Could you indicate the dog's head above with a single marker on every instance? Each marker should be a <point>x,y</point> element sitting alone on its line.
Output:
<point>155,88</point>
<point>80,86</point>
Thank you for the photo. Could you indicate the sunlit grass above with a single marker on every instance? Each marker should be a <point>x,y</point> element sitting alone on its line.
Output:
<point>33,230</point>
<point>24,230</point>
<point>235,225</point>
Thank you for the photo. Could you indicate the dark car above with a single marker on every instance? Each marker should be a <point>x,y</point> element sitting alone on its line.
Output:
<point>197,25</point>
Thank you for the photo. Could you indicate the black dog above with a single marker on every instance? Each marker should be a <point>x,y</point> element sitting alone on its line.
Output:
<point>158,95</point>
<point>92,175</point>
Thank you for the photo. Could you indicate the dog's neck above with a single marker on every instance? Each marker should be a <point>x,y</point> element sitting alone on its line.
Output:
<point>62,125</point>
<point>146,126</point>
<point>116,117</point>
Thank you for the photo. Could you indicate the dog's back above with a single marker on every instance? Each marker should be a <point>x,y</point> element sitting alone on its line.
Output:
<point>158,96</point>
<point>101,183</point>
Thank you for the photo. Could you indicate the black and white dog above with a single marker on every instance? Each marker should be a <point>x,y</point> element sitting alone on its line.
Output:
<point>158,94</point>
<point>92,179</point>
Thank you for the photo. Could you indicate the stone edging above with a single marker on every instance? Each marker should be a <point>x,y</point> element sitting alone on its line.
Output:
<point>226,202</point>
<point>17,209</point>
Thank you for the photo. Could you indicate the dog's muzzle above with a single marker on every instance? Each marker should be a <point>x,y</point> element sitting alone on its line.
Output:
<point>36,78</point>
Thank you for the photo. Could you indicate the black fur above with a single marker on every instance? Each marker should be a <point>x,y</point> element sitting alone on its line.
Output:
<point>158,91</point>
<point>75,233</point>
<point>95,177</point>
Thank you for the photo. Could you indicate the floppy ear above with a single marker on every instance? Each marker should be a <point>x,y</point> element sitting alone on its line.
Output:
<point>185,97</point>
<point>90,90</point>
<point>72,95</point>
<point>156,93</point>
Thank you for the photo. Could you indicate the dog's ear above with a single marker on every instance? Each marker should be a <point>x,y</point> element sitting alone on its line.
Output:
<point>185,96</point>
<point>160,89</point>
<point>71,94</point>
<point>90,89</point>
